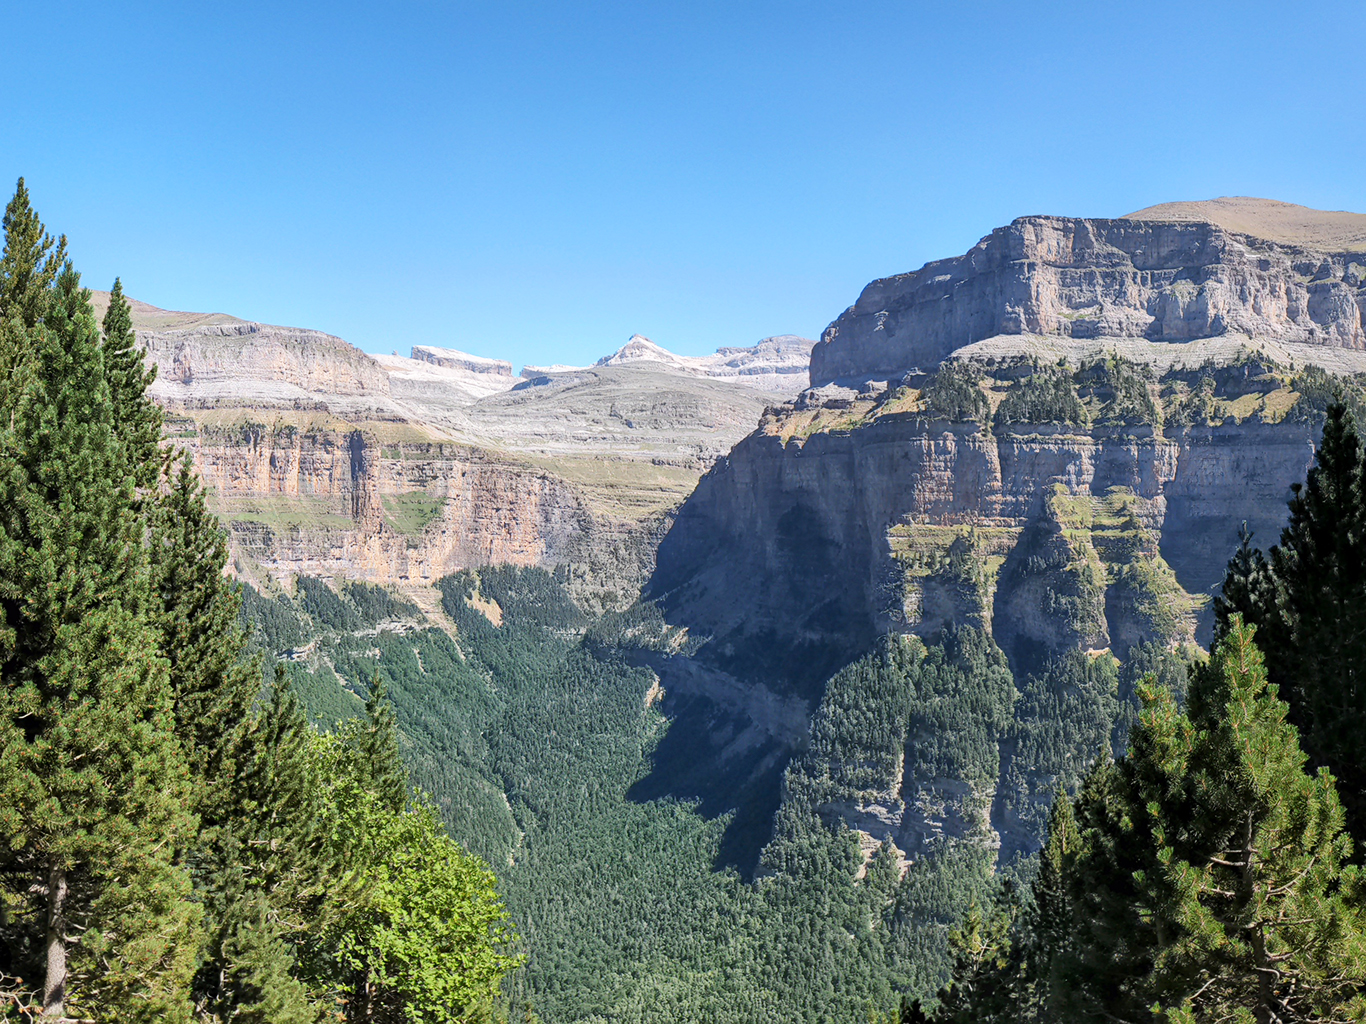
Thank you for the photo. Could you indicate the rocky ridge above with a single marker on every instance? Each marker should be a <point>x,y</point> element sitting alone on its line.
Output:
<point>1053,439</point>
<point>1165,281</point>
<point>327,461</point>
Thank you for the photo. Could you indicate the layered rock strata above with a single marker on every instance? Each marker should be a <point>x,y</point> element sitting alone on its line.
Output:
<point>1164,281</point>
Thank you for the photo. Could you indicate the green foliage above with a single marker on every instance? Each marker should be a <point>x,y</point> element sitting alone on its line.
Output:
<point>1318,391</point>
<point>1201,877</point>
<point>136,420</point>
<point>954,394</point>
<point>171,847</point>
<point>272,625</point>
<point>1119,390</point>
<point>1308,601</point>
<point>1048,395</point>
<point>375,604</point>
<point>93,786</point>
<point>429,941</point>
<point>321,603</point>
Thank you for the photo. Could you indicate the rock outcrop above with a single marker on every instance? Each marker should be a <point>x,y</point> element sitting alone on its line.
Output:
<point>454,359</point>
<point>217,363</point>
<point>814,547</point>
<point>1165,281</point>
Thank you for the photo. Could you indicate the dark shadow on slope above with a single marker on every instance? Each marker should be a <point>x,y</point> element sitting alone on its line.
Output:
<point>775,588</point>
<point>696,761</point>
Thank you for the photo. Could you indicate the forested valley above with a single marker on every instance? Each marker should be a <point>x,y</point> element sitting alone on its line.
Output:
<point>225,803</point>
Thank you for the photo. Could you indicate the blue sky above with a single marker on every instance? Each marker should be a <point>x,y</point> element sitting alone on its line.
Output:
<point>539,181</point>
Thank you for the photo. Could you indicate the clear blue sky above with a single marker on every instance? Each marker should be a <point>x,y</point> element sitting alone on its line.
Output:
<point>538,181</point>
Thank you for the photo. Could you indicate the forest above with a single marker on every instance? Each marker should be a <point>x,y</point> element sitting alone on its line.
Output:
<point>302,803</point>
<point>177,843</point>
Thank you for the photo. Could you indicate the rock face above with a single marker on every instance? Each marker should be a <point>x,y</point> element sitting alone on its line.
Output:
<point>246,361</point>
<point>1163,281</point>
<point>324,460</point>
<point>1072,520</point>
<point>453,359</point>
<point>818,546</point>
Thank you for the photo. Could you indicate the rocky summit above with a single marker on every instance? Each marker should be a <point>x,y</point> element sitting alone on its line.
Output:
<point>1248,270</point>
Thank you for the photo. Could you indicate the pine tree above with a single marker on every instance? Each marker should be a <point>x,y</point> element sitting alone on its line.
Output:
<point>271,873</point>
<point>1048,939</point>
<point>196,611</point>
<point>1308,601</point>
<point>1320,573</point>
<point>378,765</point>
<point>92,782</point>
<point>1248,591</point>
<point>1209,876</point>
<point>986,969</point>
<point>137,421</point>
<point>30,263</point>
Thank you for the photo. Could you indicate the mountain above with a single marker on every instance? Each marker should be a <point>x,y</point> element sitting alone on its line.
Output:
<point>1052,441</point>
<point>778,364</point>
<point>323,459</point>
<point>1079,286</point>
<point>747,694</point>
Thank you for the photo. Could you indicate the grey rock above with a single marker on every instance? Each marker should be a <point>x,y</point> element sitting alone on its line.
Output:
<point>1163,281</point>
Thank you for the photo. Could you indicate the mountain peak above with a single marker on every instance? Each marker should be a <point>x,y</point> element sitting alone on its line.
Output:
<point>638,347</point>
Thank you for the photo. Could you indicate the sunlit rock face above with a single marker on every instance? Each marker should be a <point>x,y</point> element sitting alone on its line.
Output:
<point>1164,281</point>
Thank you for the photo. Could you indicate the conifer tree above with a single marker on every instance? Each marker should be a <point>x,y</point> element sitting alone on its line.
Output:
<point>271,874</point>
<point>374,746</point>
<point>1308,600</point>
<point>196,611</point>
<point>30,263</point>
<point>137,421</point>
<point>986,965</point>
<point>1248,591</point>
<point>1209,878</point>
<point>92,782</point>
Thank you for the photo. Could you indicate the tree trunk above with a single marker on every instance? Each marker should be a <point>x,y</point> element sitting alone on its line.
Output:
<point>54,990</point>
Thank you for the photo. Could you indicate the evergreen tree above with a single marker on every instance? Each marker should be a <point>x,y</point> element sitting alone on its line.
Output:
<point>1209,876</point>
<point>196,611</point>
<point>271,874</point>
<point>1308,600</point>
<point>1248,591</point>
<point>137,421</point>
<point>378,765</point>
<point>92,782</point>
<point>986,962</point>
<point>30,263</point>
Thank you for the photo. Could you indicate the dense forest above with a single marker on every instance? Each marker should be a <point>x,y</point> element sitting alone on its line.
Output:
<point>176,842</point>
<point>289,802</point>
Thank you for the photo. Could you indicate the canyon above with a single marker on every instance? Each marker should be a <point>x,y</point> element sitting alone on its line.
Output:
<point>787,523</point>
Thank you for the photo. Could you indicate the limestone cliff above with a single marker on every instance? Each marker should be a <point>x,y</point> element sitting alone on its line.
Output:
<point>1053,439</point>
<point>1165,281</point>
<point>327,461</point>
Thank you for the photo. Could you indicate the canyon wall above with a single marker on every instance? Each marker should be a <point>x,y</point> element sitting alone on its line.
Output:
<point>1081,278</point>
<point>826,542</point>
<point>348,504</point>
